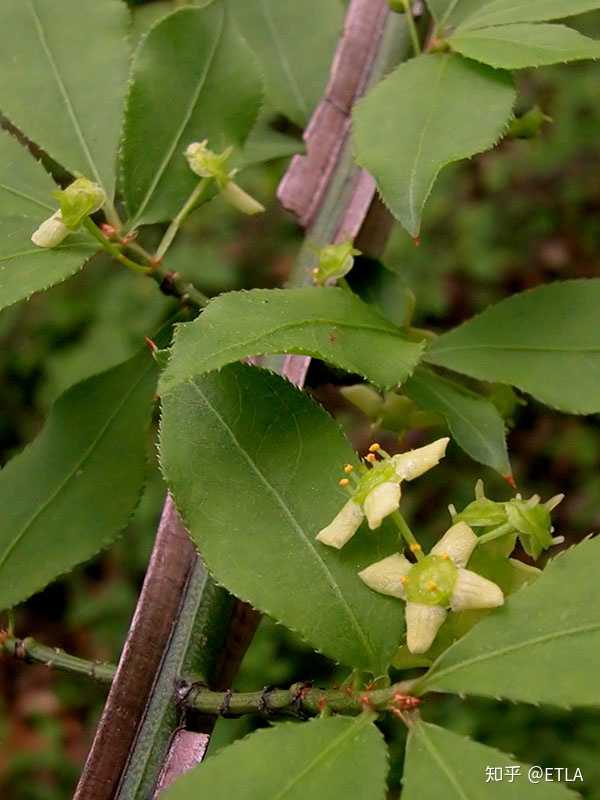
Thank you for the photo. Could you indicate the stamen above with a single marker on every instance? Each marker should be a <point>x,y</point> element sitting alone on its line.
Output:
<point>371,458</point>
<point>343,482</point>
<point>445,556</point>
<point>374,447</point>
<point>348,469</point>
<point>432,586</point>
<point>415,548</point>
<point>403,579</point>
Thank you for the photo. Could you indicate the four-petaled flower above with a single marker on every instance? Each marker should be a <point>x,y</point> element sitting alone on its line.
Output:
<point>433,585</point>
<point>377,492</point>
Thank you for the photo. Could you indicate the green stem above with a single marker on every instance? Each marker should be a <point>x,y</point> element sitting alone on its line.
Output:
<point>412,28</point>
<point>407,535</point>
<point>300,700</point>
<point>30,650</point>
<point>190,204</point>
<point>113,249</point>
<point>496,533</point>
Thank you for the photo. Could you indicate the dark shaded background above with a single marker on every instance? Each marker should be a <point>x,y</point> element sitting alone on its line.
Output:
<point>527,214</point>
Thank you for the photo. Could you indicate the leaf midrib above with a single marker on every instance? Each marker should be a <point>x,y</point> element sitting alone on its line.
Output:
<point>514,349</point>
<point>414,215</point>
<point>353,728</point>
<point>63,91</point>
<point>289,326</point>
<point>433,676</point>
<point>24,196</point>
<point>293,521</point>
<point>73,471</point>
<point>186,118</point>
<point>283,58</point>
<point>438,758</point>
<point>552,48</point>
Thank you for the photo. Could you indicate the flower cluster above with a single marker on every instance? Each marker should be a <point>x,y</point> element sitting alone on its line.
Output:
<point>208,164</point>
<point>80,199</point>
<point>437,583</point>
<point>375,493</point>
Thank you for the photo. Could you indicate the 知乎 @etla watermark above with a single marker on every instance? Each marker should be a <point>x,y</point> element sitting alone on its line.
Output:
<point>535,774</point>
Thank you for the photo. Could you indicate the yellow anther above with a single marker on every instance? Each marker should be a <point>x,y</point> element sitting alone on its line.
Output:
<point>348,469</point>
<point>445,556</point>
<point>371,458</point>
<point>315,271</point>
<point>374,447</point>
<point>432,586</point>
<point>344,482</point>
<point>403,579</point>
<point>415,548</point>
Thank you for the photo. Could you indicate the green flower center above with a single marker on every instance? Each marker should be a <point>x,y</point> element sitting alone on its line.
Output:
<point>383,472</point>
<point>431,581</point>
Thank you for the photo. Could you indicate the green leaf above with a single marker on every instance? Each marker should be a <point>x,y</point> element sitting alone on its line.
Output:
<point>253,466</point>
<point>331,324</point>
<point>265,143</point>
<point>545,341</point>
<point>524,45</point>
<point>195,74</point>
<point>145,16</point>
<point>324,758</point>
<point>72,491</point>
<point>542,646</point>
<point>25,202</point>
<point>474,422</point>
<point>478,14</point>
<point>440,763</point>
<point>377,285</point>
<point>63,72</point>
<point>401,126</point>
<point>294,43</point>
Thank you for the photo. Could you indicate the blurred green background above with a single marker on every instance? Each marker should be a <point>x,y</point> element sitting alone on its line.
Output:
<point>526,214</point>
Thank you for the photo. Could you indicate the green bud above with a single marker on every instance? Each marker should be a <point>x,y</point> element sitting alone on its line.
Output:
<point>533,524</point>
<point>399,6</point>
<point>335,261</point>
<point>482,513</point>
<point>431,581</point>
<point>529,124</point>
<point>365,398</point>
<point>82,198</point>
<point>208,164</point>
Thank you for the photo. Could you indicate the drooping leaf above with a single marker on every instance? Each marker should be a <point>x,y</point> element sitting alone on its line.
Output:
<point>401,126</point>
<point>63,73</point>
<point>325,758</point>
<point>72,491</point>
<point>294,43</point>
<point>25,202</point>
<point>545,341</point>
<point>474,421</point>
<point>253,466</point>
<point>196,74</point>
<point>330,324</point>
<point>478,14</point>
<point>542,646</point>
<point>524,45</point>
<point>441,763</point>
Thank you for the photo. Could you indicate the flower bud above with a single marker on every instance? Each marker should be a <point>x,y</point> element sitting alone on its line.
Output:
<point>82,198</point>
<point>51,232</point>
<point>208,164</point>
<point>335,261</point>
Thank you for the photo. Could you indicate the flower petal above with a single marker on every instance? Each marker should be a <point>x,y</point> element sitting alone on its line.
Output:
<point>422,624</point>
<point>385,576</point>
<point>473,591</point>
<point>51,232</point>
<point>384,499</point>
<point>415,462</point>
<point>343,527</point>
<point>458,543</point>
